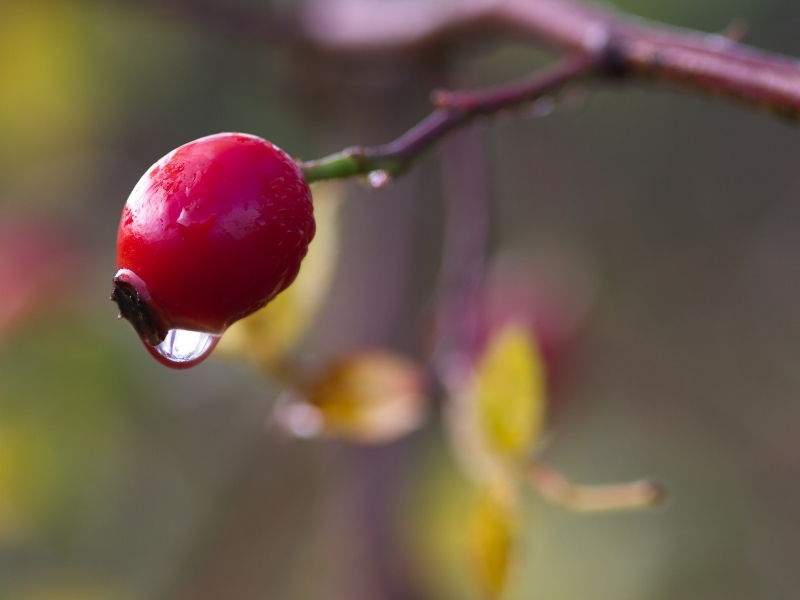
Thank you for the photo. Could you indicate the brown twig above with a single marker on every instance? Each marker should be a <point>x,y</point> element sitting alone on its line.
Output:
<point>454,111</point>
<point>597,40</point>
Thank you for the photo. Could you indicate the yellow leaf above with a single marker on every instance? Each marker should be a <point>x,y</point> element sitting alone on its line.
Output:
<point>431,525</point>
<point>371,397</point>
<point>511,392</point>
<point>45,99</point>
<point>491,532</point>
<point>269,334</point>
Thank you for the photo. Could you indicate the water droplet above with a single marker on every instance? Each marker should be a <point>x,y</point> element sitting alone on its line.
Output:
<point>378,179</point>
<point>182,348</point>
<point>540,108</point>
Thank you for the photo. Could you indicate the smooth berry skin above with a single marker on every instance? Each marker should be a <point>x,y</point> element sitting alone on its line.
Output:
<point>211,233</point>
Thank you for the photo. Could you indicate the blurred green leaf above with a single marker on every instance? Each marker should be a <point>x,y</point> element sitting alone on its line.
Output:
<point>64,396</point>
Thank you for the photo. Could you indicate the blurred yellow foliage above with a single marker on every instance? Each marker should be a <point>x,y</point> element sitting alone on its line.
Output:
<point>68,589</point>
<point>268,335</point>
<point>511,392</point>
<point>495,415</point>
<point>492,528</point>
<point>370,397</point>
<point>435,511</point>
<point>45,95</point>
<point>27,477</point>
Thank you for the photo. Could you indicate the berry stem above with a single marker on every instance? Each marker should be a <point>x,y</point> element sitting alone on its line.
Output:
<point>454,109</point>
<point>554,487</point>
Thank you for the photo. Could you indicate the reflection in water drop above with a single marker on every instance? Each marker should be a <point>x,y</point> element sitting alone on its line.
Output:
<point>378,179</point>
<point>182,349</point>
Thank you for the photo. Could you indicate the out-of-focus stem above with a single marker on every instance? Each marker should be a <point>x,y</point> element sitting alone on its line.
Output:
<point>464,176</point>
<point>555,488</point>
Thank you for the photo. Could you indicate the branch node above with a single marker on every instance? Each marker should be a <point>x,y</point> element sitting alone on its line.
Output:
<point>613,60</point>
<point>442,98</point>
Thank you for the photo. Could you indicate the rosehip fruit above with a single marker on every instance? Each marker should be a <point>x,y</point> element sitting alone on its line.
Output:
<point>211,233</point>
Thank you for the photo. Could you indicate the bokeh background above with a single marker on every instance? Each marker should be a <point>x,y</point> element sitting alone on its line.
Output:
<point>672,222</point>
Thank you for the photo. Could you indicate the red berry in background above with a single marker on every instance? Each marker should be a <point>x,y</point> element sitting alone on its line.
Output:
<point>211,233</point>
<point>39,263</point>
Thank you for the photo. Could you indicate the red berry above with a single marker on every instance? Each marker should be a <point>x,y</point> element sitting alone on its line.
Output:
<point>211,233</point>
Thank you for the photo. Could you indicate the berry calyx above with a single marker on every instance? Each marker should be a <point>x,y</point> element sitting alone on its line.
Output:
<point>211,233</point>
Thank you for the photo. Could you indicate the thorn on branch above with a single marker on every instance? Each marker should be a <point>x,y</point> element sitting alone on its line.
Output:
<point>737,30</point>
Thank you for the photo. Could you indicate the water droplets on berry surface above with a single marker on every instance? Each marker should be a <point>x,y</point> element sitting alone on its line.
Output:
<point>378,179</point>
<point>184,348</point>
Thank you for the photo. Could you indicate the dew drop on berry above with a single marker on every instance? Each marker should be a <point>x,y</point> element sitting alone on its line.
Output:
<point>378,179</point>
<point>183,348</point>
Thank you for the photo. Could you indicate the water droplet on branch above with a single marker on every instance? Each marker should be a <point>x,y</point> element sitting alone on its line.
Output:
<point>378,179</point>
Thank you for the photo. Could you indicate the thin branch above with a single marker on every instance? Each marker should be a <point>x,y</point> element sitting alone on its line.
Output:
<point>592,36</point>
<point>598,41</point>
<point>454,111</point>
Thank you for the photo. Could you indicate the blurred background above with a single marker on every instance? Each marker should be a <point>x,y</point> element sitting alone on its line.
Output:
<point>667,224</point>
